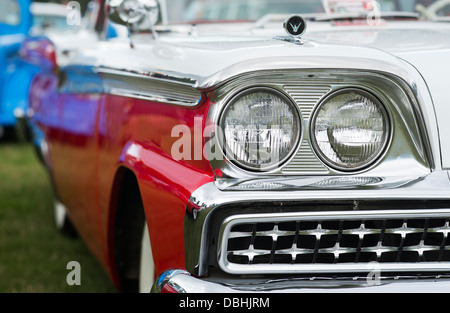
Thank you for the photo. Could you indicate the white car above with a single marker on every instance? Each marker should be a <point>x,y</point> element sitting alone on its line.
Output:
<point>65,27</point>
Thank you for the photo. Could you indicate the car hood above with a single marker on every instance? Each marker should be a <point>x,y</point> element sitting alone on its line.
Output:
<point>218,51</point>
<point>204,59</point>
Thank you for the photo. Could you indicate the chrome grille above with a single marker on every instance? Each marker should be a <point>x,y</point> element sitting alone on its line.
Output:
<point>323,243</point>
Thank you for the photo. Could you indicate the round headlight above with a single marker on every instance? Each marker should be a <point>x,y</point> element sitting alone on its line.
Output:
<point>350,129</point>
<point>261,129</point>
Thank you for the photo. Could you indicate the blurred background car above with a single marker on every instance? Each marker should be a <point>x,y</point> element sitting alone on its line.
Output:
<point>25,25</point>
<point>247,10</point>
<point>65,26</point>
<point>15,22</point>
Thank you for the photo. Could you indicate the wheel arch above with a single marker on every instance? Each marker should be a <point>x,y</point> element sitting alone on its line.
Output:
<point>126,222</point>
<point>164,187</point>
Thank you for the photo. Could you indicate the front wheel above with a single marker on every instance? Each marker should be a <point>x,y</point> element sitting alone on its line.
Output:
<point>147,265</point>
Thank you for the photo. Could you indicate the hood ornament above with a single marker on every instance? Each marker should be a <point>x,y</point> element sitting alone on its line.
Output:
<point>295,26</point>
<point>136,15</point>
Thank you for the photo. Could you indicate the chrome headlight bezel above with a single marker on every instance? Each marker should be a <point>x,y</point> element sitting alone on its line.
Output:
<point>230,156</point>
<point>374,157</point>
<point>406,150</point>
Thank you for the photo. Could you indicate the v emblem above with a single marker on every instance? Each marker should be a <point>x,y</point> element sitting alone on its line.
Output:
<point>295,27</point>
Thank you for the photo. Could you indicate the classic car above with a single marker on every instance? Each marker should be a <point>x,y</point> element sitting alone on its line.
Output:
<point>67,28</point>
<point>271,145</point>
<point>15,22</point>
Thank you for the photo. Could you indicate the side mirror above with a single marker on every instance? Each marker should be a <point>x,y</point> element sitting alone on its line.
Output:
<point>135,14</point>
<point>39,51</point>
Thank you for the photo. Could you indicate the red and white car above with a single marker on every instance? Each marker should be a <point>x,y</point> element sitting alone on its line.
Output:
<point>216,150</point>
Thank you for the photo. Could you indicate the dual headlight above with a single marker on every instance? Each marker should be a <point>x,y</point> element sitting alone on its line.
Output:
<point>262,129</point>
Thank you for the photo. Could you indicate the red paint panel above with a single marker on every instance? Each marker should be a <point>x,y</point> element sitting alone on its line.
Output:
<point>137,134</point>
<point>75,166</point>
<point>91,136</point>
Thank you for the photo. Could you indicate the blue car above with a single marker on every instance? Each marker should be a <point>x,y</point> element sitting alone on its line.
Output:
<point>21,28</point>
<point>15,22</point>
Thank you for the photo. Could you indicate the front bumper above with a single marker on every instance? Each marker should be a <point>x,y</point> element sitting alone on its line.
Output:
<point>209,209</point>
<point>180,281</point>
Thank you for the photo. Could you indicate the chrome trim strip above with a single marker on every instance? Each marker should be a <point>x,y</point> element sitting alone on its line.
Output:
<point>146,75</point>
<point>344,268</point>
<point>155,98</point>
<point>233,268</point>
<point>150,87</point>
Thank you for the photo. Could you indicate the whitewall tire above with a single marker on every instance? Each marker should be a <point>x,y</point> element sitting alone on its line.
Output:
<point>62,220</point>
<point>147,265</point>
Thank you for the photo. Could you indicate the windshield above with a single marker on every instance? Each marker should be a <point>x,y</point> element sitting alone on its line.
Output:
<point>42,23</point>
<point>10,12</point>
<point>244,10</point>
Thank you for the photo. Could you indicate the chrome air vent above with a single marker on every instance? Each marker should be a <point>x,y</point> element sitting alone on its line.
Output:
<point>306,97</point>
<point>339,242</point>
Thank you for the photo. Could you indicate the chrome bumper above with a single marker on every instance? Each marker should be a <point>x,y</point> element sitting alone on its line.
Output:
<point>214,198</point>
<point>180,281</point>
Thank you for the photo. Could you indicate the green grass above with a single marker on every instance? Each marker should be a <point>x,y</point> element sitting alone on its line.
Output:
<point>33,254</point>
